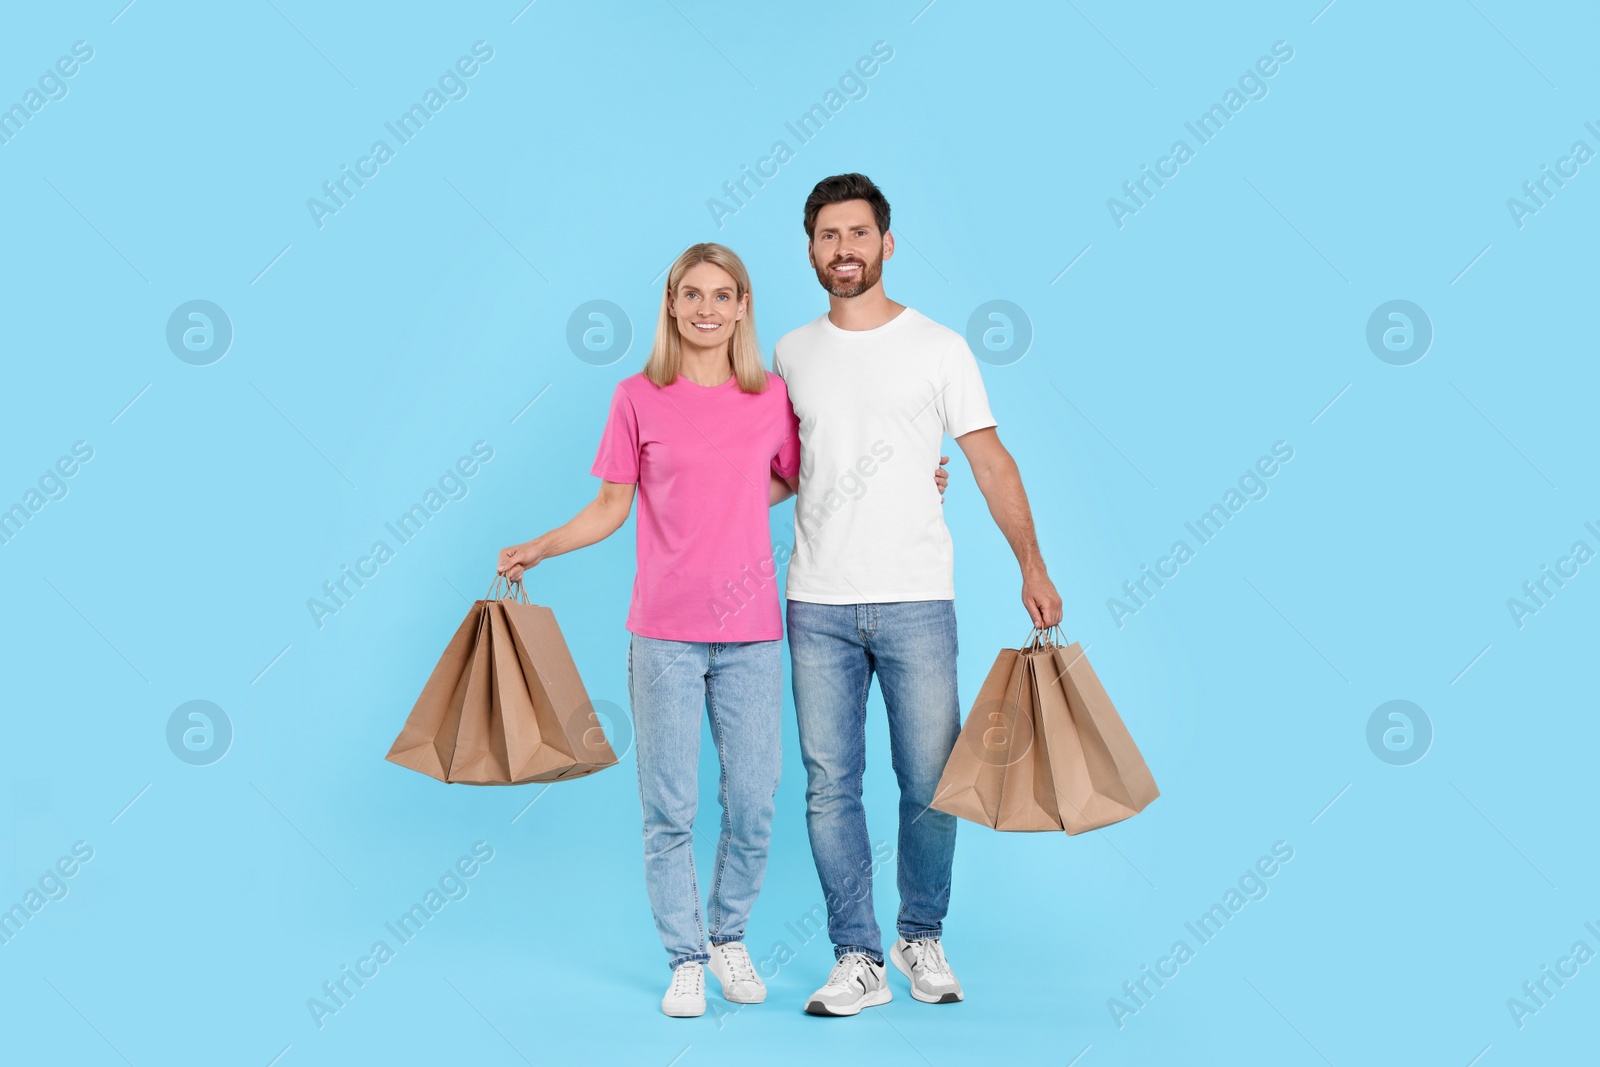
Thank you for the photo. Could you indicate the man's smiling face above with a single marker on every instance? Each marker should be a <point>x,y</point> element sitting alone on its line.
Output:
<point>847,251</point>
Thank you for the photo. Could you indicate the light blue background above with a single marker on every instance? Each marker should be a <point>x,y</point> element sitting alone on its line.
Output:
<point>1228,314</point>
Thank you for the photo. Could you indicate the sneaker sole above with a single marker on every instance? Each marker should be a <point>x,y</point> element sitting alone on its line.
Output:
<point>683,1014</point>
<point>870,1000</point>
<point>917,994</point>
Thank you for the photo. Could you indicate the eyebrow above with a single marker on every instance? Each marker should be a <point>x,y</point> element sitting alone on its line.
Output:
<point>696,289</point>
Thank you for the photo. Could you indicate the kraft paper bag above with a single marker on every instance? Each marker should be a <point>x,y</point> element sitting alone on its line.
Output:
<point>427,741</point>
<point>567,724</point>
<point>989,773</point>
<point>479,756</point>
<point>1043,748</point>
<point>1099,774</point>
<point>505,704</point>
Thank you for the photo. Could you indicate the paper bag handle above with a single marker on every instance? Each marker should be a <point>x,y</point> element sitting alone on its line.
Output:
<point>513,590</point>
<point>1041,637</point>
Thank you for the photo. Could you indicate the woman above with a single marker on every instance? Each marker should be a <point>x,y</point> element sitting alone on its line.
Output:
<point>709,438</point>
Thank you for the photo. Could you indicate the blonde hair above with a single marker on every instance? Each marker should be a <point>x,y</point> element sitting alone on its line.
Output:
<point>665,355</point>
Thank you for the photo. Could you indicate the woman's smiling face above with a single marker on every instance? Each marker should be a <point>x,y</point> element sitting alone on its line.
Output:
<point>707,305</point>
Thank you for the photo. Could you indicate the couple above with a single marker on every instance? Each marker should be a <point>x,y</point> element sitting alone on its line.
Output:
<point>852,417</point>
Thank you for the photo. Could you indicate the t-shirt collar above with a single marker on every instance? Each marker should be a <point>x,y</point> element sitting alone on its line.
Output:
<point>828,325</point>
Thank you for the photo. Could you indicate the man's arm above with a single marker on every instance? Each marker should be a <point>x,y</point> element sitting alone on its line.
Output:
<point>1001,485</point>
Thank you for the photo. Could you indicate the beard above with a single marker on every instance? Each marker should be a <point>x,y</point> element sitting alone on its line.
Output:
<point>871,273</point>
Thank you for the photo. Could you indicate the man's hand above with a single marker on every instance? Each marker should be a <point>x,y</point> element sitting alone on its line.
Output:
<point>941,477</point>
<point>1039,596</point>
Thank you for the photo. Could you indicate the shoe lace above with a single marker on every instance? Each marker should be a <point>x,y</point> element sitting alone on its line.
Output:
<point>737,957</point>
<point>686,978</point>
<point>930,954</point>
<point>849,966</point>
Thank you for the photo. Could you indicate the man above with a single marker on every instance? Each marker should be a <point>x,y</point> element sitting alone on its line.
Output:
<point>875,386</point>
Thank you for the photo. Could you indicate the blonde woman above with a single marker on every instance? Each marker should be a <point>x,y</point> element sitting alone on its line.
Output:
<point>707,437</point>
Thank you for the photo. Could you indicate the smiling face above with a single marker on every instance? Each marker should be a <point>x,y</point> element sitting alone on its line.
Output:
<point>847,251</point>
<point>706,305</point>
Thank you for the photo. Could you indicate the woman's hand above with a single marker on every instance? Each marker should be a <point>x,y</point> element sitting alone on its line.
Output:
<point>515,558</point>
<point>941,477</point>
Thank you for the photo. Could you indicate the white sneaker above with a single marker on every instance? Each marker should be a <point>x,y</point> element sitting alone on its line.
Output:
<point>730,963</point>
<point>856,983</point>
<point>686,997</point>
<point>932,980</point>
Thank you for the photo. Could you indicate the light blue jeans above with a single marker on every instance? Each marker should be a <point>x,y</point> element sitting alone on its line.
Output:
<point>740,686</point>
<point>834,650</point>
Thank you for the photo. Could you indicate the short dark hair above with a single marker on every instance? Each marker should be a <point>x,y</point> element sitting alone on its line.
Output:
<point>842,187</point>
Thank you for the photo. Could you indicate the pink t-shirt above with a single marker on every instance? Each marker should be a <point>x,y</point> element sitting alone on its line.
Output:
<point>703,458</point>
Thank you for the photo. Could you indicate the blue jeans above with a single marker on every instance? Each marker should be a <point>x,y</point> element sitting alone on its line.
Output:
<point>835,649</point>
<point>740,686</point>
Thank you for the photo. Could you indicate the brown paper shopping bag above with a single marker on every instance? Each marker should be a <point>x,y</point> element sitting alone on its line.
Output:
<point>565,717</point>
<point>504,705</point>
<point>1043,748</point>
<point>1100,776</point>
<point>427,741</point>
<point>974,776</point>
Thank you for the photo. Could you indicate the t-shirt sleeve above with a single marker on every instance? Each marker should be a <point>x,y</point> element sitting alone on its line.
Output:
<point>618,457</point>
<point>963,403</point>
<point>786,462</point>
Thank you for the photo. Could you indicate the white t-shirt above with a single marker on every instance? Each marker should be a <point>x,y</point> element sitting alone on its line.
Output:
<point>874,406</point>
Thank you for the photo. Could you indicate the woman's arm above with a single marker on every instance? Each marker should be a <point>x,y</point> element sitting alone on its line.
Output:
<point>598,520</point>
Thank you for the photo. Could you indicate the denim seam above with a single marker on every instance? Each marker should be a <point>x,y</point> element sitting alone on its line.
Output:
<point>875,955</point>
<point>922,935</point>
<point>698,957</point>
<point>694,884</point>
<point>872,624</point>
<point>861,724</point>
<point>633,705</point>
<point>694,878</point>
<point>861,720</point>
<point>722,798</point>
